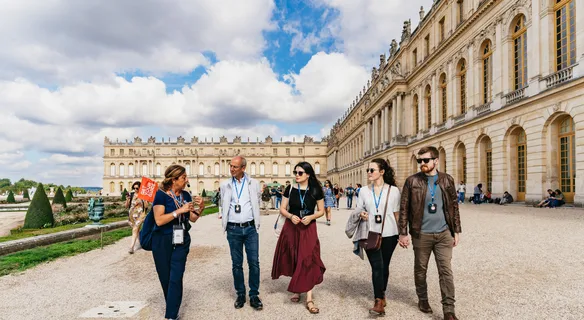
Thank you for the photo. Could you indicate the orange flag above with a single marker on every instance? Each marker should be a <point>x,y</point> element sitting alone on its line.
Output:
<point>148,189</point>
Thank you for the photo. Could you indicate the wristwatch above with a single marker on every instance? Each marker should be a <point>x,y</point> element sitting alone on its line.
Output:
<point>174,214</point>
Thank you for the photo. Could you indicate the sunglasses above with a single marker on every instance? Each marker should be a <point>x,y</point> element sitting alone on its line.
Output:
<point>298,173</point>
<point>370,170</point>
<point>426,160</point>
<point>136,188</point>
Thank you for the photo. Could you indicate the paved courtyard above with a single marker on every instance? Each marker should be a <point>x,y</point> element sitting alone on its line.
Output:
<point>512,263</point>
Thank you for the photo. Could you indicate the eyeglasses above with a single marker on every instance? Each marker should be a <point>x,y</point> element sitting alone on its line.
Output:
<point>370,170</point>
<point>136,188</point>
<point>298,173</point>
<point>426,160</point>
<point>235,167</point>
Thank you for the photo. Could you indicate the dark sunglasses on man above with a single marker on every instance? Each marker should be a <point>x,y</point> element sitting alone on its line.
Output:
<point>426,160</point>
<point>298,173</point>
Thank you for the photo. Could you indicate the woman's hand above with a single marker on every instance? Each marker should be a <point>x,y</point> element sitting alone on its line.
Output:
<point>198,202</point>
<point>307,220</point>
<point>364,215</point>
<point>188,207</point>
<point>295,219</point>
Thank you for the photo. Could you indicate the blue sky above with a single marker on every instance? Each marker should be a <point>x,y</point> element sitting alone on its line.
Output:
<point>73,72</point>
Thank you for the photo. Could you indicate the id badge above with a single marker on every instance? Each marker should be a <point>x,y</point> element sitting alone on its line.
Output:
<point>303,213</point>
<point>237,208</point>
<point>377,218</point>
<point>178,234</point>
<point>432,208</point>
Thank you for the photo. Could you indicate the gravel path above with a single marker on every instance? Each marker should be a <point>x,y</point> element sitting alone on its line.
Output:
<point>512,263</point>
<point>10,220</point>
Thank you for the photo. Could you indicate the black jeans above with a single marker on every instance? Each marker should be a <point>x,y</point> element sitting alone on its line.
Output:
<point>379,261</point>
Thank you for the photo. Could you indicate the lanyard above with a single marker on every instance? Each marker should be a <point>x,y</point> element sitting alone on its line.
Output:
<point>178,202</point>
<point>432,188</point>
<point>301,197</point>
<point>376,199</point>
<point>238,193</point>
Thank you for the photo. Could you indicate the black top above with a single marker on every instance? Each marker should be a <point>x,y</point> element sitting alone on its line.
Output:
<point>295,203</point>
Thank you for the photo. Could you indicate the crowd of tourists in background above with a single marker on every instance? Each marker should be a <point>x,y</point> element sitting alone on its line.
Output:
<point>424,212</point>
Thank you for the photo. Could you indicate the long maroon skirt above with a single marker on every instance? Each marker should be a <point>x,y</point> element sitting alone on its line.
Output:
<point>298,256</point>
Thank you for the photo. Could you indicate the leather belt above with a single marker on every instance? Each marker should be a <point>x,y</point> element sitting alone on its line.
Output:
<point>242,225</point>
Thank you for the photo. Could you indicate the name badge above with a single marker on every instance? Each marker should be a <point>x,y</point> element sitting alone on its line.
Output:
<point>432,208</point>
<point>377,218</point>
<point>178,234</point>
<point>237,208</point>
<point>304,213</point>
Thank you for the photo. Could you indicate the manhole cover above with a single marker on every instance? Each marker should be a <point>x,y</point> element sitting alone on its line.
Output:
<point>115,309</point>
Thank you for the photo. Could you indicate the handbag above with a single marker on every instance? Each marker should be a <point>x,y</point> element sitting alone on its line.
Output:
<point>374,239</point>
<point>280,220</point>
<point>147,230</point>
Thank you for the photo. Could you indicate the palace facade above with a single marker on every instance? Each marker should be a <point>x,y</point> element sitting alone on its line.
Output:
<point>207,163</point>
<point>497,86</point>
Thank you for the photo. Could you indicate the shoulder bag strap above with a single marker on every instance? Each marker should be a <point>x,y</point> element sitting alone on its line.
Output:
<point>386,205</point>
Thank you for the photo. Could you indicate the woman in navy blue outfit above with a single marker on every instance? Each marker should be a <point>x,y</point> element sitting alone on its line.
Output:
<point>173,208</point>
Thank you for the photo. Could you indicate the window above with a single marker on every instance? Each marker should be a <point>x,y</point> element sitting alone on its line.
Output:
<point>441,29</point>
<point>443,95</point>
<point>462,76</point>
<point>275,169</point>
<point>122,170</point>
<point>317,168</point>
<point>416,115</point>
<point>415,58</point>
<point>188,169</point>
<point>300,151</point>
<point>565,33</point>
<point>121,152</point>
<point>262,169</point>
<point>428,107</point>
<point>201,169</point>
<point>567,158</point>
<point>460,4</point>
<point>157,152</point>
<point>520,53</point>
<point>287,168</point>
<point>427,46</point>
<point>216,167</point>
<point>131,170</point>
<point>112,152</point>
<point>145,169</point>
<point>112,169</point>
<point>486,83</point>
<point>275,151</point>
<point>521,163</point>
<point>158,169</point>
<point>489,151</point>
<point>253,169</point>
<point>287,151</point>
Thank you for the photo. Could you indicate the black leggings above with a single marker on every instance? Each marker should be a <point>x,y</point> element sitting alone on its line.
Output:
<point>379,261</point>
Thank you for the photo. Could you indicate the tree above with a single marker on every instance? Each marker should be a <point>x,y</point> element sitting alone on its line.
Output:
<point>39,212</point>
<point>204,193</point>
<point>124,194</point>
<point>69,196</point>
<point>10,198</point>
<point>25,195</point>
<point>60,198</point>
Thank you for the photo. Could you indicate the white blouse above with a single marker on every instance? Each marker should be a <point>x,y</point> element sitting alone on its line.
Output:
<point>366,203</point>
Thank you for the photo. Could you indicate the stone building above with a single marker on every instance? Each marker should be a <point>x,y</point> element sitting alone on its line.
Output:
<point>206,162</point>
<point>497,86</point>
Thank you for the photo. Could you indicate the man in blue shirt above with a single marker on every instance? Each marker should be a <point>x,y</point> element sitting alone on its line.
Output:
<point>241,221</point>
<point>350,192</point>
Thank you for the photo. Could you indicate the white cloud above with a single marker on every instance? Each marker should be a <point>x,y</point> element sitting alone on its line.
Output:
<point>64,41</point>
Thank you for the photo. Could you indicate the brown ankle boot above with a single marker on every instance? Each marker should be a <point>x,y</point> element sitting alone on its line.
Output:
<point>384,302</point>
<point>378,309</point>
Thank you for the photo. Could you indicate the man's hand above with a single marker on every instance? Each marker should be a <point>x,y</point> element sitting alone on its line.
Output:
<point>295,219</point>
<point>306,220</point>
<point>456,239</point>
<point>404,241</point>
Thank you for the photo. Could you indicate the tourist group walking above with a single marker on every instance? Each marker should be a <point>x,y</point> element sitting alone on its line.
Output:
<point>424,214</point>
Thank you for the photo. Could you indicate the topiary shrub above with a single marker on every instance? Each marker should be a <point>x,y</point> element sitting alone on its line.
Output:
<point>10,198</point>
<point>69,196</point>
<point>204,193</point>
<point>60,198</point>
<point>124,194</point>
<point>25,194</point>
<point>39,212</point>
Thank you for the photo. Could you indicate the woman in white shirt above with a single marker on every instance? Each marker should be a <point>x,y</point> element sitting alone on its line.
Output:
<point>374,205</point>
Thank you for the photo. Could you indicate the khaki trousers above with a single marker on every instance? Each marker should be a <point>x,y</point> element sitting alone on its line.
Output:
<point>441,244</point>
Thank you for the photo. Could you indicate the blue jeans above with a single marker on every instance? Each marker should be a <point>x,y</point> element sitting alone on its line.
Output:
<point>349,202</point>
<point>278,201</point>
<point>238,238</point>
<point>477,198</point>
<point>461,197</point>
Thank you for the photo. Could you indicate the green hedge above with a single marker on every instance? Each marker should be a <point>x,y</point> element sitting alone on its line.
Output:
<point>39,212</point>
<point>69,196</point>
<point>10,198</point>
<point>60,198</point>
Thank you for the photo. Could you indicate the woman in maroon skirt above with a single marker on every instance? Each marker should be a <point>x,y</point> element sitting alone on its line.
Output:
<point>298,250</point>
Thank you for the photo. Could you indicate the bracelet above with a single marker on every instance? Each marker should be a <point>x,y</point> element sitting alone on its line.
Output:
<point>197,214</point>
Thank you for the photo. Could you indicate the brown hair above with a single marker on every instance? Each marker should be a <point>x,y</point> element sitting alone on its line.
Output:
<point>433,151</point>
<point>170,174</point>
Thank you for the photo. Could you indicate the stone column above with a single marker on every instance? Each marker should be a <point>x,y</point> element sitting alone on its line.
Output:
<point>535,41</point>
<point>399,112</point>
<point>394,117</point>
<point>498,71</point>
<point>389,123</point>
<point>579,70</point>
<point>471,66</point>
<point>383,123</point>
<point>374,140</point>
<point>435,102</point>
<point>451,89</point>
